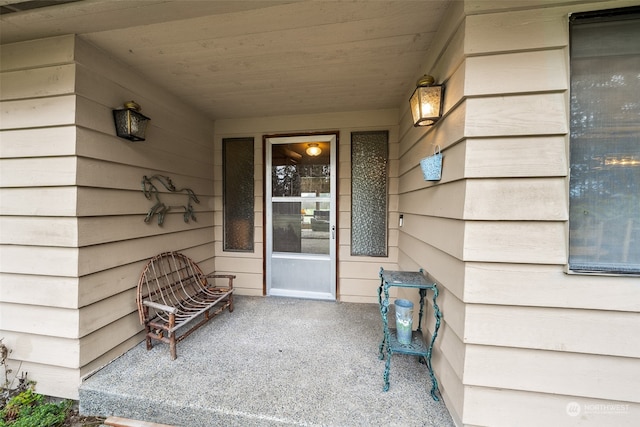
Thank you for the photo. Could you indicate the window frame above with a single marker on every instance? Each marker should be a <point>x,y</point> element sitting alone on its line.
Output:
<point>615,266</point>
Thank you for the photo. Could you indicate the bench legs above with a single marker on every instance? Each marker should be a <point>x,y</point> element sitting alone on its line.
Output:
<point>147,332</point>
<point>171,340</point>
<point>172,336</point>
<point>158,331</point>
<point>172,345</point>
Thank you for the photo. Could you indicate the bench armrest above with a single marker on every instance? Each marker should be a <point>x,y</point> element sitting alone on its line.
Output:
<point>221,276</point>
<point>162,307</point>
<point>230,277</point>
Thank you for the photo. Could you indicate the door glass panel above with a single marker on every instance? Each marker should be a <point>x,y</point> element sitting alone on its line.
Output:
<point>295,172</point>
<point>315,227</point>
<point>287,227</point>
<point>301,225</point>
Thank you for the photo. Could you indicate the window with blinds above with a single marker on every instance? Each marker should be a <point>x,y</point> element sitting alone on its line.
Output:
<point>604,194</point>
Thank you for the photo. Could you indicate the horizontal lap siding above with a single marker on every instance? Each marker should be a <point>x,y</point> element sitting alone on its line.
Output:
<point>38,201</point>
<point>52,291</point>
<point>58,141</point>
<point>542,285</point>
<point>514,115</point>
<point>433,230</point>
<point>536,338</point>
<point>512,157</point>
<point>537,409</point>
<point>572,374</point>
<point>39,112</point>
<point>513,199</point>
<point>517,242</point>
<point>72,201</point>
<point>114,239</point>
<point>30,231</point>
<point>558,329</point>
<point>32,83</point>
<point>37,54</point>
<point>492,231</point>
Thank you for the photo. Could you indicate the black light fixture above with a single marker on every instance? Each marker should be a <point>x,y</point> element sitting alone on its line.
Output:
<point>130,123</point>
<point>426,102</point>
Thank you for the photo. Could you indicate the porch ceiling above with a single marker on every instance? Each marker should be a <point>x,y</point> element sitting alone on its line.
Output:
<point>234,59</point>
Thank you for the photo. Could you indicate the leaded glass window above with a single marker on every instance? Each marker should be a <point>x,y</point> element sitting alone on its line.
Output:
<point>238,164</point>
<point>369,161</point>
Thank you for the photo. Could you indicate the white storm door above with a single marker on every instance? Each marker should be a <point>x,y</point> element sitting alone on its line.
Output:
<point>301,216</point>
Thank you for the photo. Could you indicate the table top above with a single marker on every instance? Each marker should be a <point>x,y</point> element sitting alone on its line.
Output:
<point>408,279</point>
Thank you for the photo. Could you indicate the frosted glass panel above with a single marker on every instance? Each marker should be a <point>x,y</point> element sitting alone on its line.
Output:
<point>604,218</point>
<point>369,158</point>
<point>238,194</point>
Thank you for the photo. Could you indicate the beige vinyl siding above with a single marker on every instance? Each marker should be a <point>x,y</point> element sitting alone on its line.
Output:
<point>74,211</point>
<point>357,276</point>
<point>515,157</point>
<point>583,331</point>
<point>492,232</point>
<point>52,291</point>
<point>115,242</point>
<point>547,286</point>
<point>23,143</point>
<point>539,409</point>
<point>433,230</point>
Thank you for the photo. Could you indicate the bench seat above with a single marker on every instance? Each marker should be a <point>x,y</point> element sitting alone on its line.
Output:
<point>174,293</point>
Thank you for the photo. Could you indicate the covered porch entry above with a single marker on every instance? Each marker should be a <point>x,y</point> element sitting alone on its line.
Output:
<point>273,361</point>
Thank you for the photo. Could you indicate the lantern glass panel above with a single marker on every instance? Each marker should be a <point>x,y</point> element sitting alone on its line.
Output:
<point>415,106</point>
<point>430,101</point>
<point>130,124</point>
<point>426,105</point>
<point>138,124</point>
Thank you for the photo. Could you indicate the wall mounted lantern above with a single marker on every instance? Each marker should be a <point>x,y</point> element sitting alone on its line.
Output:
<point>130,123</point>
<point>426,102</point>
<point>313,150</point>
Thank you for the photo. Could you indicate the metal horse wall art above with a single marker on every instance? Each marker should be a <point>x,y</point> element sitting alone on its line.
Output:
<point>151,191</point>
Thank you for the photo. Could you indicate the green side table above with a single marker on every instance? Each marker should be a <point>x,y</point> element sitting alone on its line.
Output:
<point>417,347</point>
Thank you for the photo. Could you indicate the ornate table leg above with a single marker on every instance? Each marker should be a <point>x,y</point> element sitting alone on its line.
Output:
<point>387,339</point>
<point>383,311</point>
<point>438,316</point>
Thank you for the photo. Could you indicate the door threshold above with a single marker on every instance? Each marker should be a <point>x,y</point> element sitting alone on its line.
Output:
<point>301,294</point>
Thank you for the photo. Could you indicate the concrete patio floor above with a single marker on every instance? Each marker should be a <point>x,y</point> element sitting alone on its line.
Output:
<point>273,361</point>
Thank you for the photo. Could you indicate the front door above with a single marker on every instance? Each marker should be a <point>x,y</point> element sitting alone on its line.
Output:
<point>300,218</point>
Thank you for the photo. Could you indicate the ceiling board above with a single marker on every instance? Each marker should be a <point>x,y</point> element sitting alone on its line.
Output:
<point>234,59</point>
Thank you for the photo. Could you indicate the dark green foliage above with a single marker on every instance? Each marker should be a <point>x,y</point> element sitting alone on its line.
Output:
<point>28,409</point>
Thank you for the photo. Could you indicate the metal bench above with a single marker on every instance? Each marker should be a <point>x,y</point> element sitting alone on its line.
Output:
<point>173,291</point>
